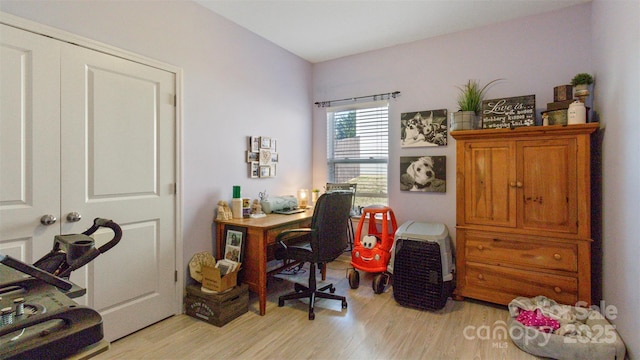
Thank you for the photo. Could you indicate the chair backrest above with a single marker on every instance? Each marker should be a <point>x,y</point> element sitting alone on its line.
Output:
<point>331,187</point>
<point>330,220</point>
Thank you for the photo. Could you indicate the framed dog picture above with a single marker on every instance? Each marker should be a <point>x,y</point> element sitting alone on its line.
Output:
<point>423,173</point>
<point>424,128</point>
<point>234,242</point>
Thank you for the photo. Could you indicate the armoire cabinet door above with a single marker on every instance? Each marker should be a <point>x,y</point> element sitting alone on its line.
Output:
<point>29,143</point>
<point>548,198</point>
<point>489,199</point>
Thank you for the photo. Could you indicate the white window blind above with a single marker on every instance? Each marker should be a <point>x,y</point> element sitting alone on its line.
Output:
<point>358,149</point>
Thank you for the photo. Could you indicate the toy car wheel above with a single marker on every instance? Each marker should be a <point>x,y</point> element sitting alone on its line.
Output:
<point>378,284</point>
<point>354,278</point>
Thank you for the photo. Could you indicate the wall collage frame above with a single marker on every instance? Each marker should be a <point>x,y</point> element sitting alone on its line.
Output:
<point>423,173</point>
<point>262,156</point>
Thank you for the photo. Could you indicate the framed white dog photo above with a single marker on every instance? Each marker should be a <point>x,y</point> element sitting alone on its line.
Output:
<point>423,173</point>
<point>424,128</point>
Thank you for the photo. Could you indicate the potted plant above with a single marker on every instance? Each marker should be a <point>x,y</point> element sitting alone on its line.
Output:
<point>469,104</point>
<point>581,84</point>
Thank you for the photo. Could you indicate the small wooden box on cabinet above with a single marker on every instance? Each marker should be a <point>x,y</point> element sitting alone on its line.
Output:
<point>523,213</point>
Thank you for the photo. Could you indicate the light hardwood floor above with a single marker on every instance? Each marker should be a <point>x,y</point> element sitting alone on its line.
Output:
<point>372,327</point>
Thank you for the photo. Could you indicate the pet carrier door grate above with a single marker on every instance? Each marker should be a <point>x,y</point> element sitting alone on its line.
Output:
<point>417,275</point>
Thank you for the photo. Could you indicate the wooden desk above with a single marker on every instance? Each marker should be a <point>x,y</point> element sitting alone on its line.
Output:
<point>259,246</point>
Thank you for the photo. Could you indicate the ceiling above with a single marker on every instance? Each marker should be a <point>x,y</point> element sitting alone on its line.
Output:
<point>321,30</point>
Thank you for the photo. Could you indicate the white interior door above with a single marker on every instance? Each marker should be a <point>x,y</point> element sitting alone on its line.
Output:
<point>118,162</point>
<point>83,131</point>
<point>29,142</point>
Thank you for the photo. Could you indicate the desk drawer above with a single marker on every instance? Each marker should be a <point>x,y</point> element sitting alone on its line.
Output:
<point>529,252</point>
<point>273,233</point>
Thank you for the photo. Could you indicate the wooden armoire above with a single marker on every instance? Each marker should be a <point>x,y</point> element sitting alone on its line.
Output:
<point>523,213</point>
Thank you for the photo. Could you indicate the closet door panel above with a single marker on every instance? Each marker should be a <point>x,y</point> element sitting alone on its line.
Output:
<point>118,162</point>
<point>29,142</point>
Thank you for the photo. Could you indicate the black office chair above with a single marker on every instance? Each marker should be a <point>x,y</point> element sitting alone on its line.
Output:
<point>331,187</point>
<point>322,243</point>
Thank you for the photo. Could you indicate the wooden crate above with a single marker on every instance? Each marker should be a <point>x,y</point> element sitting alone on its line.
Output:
<point>217,309</point>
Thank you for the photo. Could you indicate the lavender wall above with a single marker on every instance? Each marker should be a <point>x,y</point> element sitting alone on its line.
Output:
<point>529,54</point>
<point>236,84</point>
<point>616,54</point>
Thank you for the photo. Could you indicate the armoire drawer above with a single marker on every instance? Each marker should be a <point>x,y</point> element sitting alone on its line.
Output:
<point>530,252</point>
<point>505,284</point>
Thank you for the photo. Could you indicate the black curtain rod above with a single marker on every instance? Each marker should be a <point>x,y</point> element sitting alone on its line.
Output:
<point>355,99</point>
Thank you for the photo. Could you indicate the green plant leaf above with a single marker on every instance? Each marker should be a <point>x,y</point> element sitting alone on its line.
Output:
<point>471,95</point>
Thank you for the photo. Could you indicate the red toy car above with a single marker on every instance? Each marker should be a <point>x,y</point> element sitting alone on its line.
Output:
<point>372,251</point>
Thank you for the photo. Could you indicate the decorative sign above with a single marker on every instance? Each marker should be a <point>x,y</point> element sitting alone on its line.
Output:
<point>509,112</point>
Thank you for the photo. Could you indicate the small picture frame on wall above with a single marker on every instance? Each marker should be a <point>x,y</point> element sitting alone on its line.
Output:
<point>252,156</point>
<point>265,171</point>
<point>265,142</point>
<point>423,173</point>
<point>265,156</point>
<point>234,237</point>
<point>254,170</point>
<point>254,144</point>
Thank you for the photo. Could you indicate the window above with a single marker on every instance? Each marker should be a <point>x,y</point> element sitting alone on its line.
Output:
<point>358,149</point>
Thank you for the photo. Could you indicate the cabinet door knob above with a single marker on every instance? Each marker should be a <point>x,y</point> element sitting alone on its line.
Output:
<point>74,217</point>
<point>519,184</point>
<point>557,289</point>
<point>48,219</point>
<point>480,276</point>
<point>512,184</point>
<point>480,247</point>
<point>557,256</point>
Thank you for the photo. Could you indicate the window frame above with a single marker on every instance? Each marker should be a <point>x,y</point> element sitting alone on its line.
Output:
<point>377,159</point>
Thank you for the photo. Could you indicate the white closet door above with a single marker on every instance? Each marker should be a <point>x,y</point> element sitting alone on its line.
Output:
<point>29,142</point>
<point>118,162</point>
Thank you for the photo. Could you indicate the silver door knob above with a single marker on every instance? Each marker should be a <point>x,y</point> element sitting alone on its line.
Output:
<point>48,219</point>
<point>74,217</point>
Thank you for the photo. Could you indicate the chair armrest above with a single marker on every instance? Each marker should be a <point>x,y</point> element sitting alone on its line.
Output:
<point>292,234</point>
<point>285,236</point>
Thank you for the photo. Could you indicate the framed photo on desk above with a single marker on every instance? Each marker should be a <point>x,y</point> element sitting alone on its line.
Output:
<point>234,237</point>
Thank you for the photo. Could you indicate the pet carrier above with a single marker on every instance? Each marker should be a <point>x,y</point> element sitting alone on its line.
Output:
<point>422,265</point>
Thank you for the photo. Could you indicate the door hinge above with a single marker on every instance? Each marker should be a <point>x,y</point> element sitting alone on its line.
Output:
<point>175,276</point>
<point>173,188</point>
<point>175,100</point>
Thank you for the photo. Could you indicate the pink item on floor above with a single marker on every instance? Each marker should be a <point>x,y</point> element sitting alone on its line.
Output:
<point>534,318</point>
